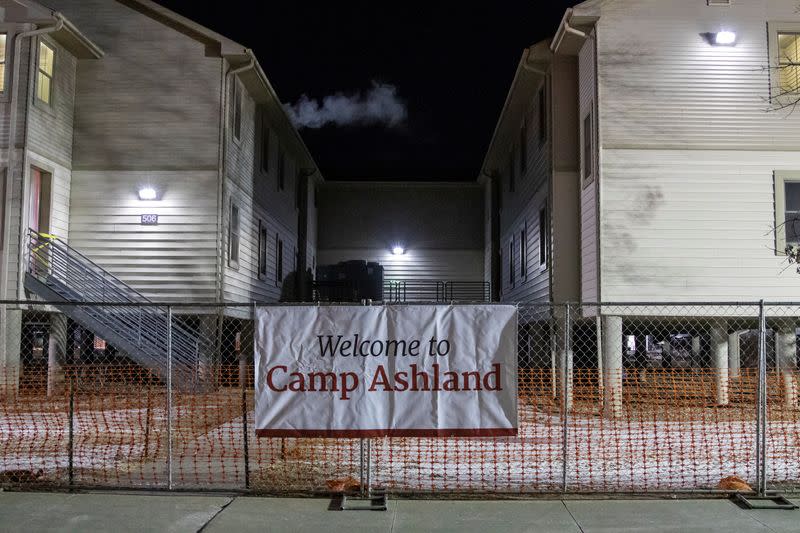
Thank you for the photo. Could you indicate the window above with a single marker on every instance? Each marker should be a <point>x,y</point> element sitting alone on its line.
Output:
<point>789,62</point>
<point>588,154</point>
<point>3,37</point>
<point>523,253</point>
<point>542,116</point>
<point>543,236</point>
<point>237,110</point>
<point>233,236</point>
<point>511,271</point>
<point>264,145</point>
<point>784,62</point>
<point>511,177</point>
<point>278,260</point>
<point>281,168</point>
<point>44,73</point>
<point>523,149</point>
<point>262,250</point>
<point>787,210</point>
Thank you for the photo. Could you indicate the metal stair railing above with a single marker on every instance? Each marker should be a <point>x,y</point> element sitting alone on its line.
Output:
<point>75,278</point>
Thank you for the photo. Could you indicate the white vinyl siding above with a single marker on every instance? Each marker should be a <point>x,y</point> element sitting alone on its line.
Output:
<point>587,88</point>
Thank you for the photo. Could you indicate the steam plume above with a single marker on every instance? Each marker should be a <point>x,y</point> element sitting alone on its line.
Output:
<point>379,105</point>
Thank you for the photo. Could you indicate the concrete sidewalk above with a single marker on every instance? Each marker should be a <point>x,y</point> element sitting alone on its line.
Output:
<point>119,512</point>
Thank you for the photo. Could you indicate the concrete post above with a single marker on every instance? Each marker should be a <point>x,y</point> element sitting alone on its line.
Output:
<point>734,354</point>
<point>564,357</point>
<point>56,353</point>
<point>696,350</point>
<point>10,359</point>
<point>786,363</point>
<point>612,365</point>
<point>719,353</point>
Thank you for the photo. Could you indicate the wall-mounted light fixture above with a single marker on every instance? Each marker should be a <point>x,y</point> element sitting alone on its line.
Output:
<point>398,250</point>
<point>147,193</point>
<point>724,38</point>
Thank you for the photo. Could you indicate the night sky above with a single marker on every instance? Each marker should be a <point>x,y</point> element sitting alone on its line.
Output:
<point>451,64</point>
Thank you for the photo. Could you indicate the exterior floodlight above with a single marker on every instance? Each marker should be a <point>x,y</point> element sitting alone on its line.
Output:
<point>725,38</point>
<point>398,250</point>
<point>147,193</point>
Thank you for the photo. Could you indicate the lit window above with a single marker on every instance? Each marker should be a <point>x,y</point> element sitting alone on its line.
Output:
<point>588,156</point>
<point>789,62</point>
<point>543,236</point>
<point>45,71</point>
<point>787,210</point>
<point>2,62</point>
<point>233,237</point>
<point>262,250</point>
<point>237,110</point>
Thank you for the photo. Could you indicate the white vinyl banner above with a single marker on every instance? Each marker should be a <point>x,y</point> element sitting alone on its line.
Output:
<point>410,371</point>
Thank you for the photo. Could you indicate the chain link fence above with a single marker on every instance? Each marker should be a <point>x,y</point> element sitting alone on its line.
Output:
<point>643,398</point>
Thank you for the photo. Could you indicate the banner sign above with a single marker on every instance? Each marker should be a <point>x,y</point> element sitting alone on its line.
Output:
<point>403,371</point>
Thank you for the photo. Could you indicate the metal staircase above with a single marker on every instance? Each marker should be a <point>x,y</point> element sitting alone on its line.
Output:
<point>120,314</point>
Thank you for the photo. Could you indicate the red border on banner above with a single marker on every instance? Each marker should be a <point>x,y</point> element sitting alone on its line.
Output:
<point>364,433</point>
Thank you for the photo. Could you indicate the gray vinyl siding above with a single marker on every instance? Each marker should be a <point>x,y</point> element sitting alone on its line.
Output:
<point>257,195</point>
<point>588,201</point>
<point>415,265</point>
<point>664,86</point>
<point>50,127</point>
<point>689,153</point>
<point>153,100</point>
<point>173,261</point>
<point>534,286</point>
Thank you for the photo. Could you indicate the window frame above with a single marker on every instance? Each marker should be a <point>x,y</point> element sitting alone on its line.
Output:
<point>523,253</point>
<point>773,30</point>
<point>52,77</point>
<point>781,177</point>
<point>4,62</point>
<point>544,237</point>
<point>281,173</point>
<point>237,110</point>
<point>278,260</point>
<point>587,148</point>
<point>262,250</point>
<point>265,142</point>
<point>233,262</point>
<point>543,115</point>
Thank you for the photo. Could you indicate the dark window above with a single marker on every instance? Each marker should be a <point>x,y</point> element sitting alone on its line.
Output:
<point>523,149</point>
<point>278,259</point>
<point>511,270</point>
<point>792,191</point>
<point>233,236</point>
<point>542,116</point>
<point>237,110</point>
<point>281,168</point>
<point>587,149</point>
<point>543,236</point>
<point>511,177</point>
<point>523,254</point>
<point>264,144</point>
<point>262,250</point>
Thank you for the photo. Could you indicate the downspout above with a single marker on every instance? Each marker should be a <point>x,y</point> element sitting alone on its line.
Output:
<point>10,163</point>
<point>221,189</point>
<point>563,29</point>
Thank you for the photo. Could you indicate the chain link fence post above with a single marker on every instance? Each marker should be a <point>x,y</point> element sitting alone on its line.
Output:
<point>244,383</point>
<point>761,404</point>
<point>566,392</point>
<point>169,397</point>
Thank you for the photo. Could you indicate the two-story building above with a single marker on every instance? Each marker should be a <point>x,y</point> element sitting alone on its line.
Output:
<point>155,148</point>
<point>683,160</point>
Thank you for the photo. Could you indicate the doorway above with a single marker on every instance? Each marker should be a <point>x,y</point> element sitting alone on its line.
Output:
<point>39,195</point>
